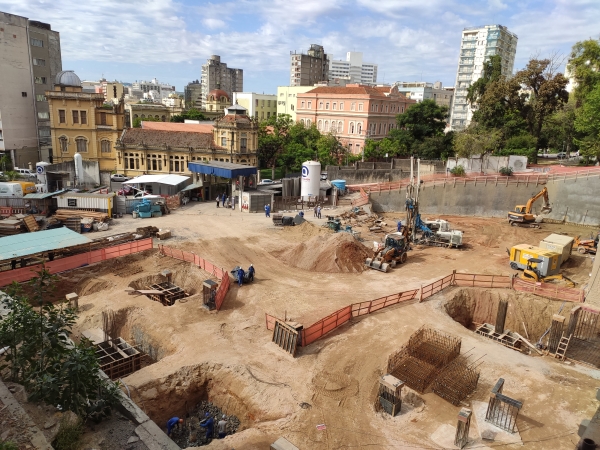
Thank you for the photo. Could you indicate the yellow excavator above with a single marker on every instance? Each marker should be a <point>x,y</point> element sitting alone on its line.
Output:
<point>532,273</point>
<point>522,216</point>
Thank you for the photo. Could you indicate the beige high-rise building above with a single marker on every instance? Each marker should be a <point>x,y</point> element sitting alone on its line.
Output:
<point>30,58</point>
<point>310,68</point>
<point>216,75</point>
<point>476,47</point>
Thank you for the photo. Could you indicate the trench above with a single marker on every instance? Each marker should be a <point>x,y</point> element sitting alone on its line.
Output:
<point>527,314</point>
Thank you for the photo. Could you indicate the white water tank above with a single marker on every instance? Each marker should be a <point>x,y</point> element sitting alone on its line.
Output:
<point>40,169</point>
<point>311,179</point>
<point>79,175</point>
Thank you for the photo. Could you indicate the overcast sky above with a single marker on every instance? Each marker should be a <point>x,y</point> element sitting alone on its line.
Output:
<point>410,40</point>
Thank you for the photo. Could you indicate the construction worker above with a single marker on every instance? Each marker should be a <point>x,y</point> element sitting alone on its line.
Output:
<point>209,424</point>
<point>175,421</point>
<point>319,212</point>
<point>399,226</point>
<point>267,210</point>
<point>222,427</point>
<point>251,272</point>
<point>224,197</point>
<point>218,200</point>
<point>240,276</point>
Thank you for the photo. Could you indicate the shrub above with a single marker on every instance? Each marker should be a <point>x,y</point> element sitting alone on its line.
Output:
<point>506,171</point>
<point>8,445</point>
<point>458,171</point>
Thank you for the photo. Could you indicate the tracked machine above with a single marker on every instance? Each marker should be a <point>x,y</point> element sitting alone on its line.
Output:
<point>522,216</point>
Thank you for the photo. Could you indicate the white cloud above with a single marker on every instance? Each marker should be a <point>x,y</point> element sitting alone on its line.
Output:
<point>213,24</point>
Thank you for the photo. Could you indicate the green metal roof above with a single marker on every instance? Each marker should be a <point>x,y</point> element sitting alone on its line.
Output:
<point>39,196</point>
<point>25,244</point>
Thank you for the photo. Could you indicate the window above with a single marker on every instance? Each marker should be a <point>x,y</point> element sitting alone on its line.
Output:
<point>320,105</point>
<point>23,94</point>
<point>43,115</point>
<point>37,42</point>
<point>263,103</point>
<point>375,106</point>
<point>327,125</point>
<point>39,80</point>
<point>61,116</point>
<point>360,106</point>
<point>309,105</point>
<point>40,97</point>
<point>327,105</point>
<point>308,122</point>
<point>102,118</point>
<point>63,143</point>
<point>386,108</point>
<point>81,145</point>
<point>83,116</point>
<point>351,127</point>
<point>334,106</point>
<point>352,106</point>
<point>75,116</point>
<point>319,125</point>
<point>105,147</point>
<point>1,135</point>
<point>268,102</point>
<point>268,114</point>
<point>302,122</point>
<point>223,142</point>
<point>256,102</point>
<point>39,62</point>
<point>302,104</point>
<point>262,114</point>
<point>341,106</point>
<point>402,109</point>
<point>243,142</point>
<point>359,128</point>
<point>340,126</point>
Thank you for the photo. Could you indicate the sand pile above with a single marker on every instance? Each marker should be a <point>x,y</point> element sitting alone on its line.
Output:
<point>339,252</point>
<point>305,231</point>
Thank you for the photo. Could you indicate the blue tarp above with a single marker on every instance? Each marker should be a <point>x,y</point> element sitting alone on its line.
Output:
<point>222,169</point>
<point>25,244</point>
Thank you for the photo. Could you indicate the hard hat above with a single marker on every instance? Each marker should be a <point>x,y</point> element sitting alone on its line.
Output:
<point>207,414</point>
<point>250,265</point>
<point>224,416</point>
<point>180,420</point>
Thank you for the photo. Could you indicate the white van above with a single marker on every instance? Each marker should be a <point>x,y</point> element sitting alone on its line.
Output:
<point>25,173</point>
<point>11,190</point>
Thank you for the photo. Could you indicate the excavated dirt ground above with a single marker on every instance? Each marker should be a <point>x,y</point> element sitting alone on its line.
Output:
<point>228,359</point>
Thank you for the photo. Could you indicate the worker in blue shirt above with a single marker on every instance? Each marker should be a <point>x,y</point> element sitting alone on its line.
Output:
<point>268,210</point>
<point>240,276</point>
<point>251,272</point>
<point>399,226</point>
<point>175,421</point>
<point>209,424</point>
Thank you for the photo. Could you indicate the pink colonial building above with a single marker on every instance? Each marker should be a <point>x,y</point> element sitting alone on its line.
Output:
<point>353,113</point>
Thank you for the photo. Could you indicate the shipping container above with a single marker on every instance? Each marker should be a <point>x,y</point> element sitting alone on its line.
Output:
<point>559,243</point>
<point>92,202</point>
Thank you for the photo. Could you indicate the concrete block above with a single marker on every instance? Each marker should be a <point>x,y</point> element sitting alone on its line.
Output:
<point>583,426</point>
<point>164,234</point>
<point>73,300</point>
<point>283,444</point>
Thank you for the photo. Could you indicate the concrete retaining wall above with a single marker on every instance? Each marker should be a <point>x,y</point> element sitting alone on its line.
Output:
<point>574,201</point>
<point>381,172</point>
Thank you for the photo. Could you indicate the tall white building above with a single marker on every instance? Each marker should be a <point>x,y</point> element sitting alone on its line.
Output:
<point>153,89</point>
<point>477,45</point>
<point>216,75</point>
<point>353,69</point>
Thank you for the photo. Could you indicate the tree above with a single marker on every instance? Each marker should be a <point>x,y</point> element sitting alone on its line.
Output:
<point>137,122</point>
<point>492,71</point>
<point>190,114</point>
<point>584,65</point>
<point>435,147</point>
<point>476,141</point>
<point>330,150</point>
<point>587,121</point>
<point>41,355</point>
<point>560,129</point>
<point>423,120</point>
<point>273,136</point>
<point>379,149</point>
<point>547,93</point>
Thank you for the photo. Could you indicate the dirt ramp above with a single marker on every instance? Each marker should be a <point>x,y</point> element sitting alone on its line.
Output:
<point>332,253</point>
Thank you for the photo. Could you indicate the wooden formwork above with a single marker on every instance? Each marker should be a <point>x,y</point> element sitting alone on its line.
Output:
<point>169,293</point>
<point>117,358</point>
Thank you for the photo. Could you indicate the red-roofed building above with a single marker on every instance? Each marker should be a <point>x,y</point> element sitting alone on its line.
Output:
<point>353,113</point>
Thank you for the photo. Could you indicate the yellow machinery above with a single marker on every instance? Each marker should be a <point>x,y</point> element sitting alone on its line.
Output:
<point>522,215</point>
<point>537,264</point>
<point>587,245</point>
<point>393,252</point>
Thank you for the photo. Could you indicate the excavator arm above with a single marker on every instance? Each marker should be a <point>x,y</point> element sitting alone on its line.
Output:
<point>545,208</point>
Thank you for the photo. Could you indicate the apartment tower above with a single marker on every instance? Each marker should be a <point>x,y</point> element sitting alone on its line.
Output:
<point>29,62</point>
<point>310,68</point>
<point>216,75</point>
<point>353,69</point>
<point>477,45</point>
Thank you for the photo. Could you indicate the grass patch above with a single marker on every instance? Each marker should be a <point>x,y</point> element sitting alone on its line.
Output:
<point>69,434</point>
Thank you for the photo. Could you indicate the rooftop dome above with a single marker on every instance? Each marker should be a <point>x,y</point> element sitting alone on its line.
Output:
<point>217,93</point>
<point>67,78</point>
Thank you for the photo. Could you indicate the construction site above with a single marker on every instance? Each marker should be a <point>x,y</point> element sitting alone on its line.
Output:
<point>429,315</point>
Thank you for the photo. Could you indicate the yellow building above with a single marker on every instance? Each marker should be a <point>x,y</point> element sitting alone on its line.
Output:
<point>260,106</point>
<point>81,122</point>
<point>216,102</point>
<point>166,148</point>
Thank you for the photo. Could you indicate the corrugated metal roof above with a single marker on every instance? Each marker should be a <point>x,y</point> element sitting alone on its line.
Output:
<point>189,187</point>
<point>39,196</point>
<point>172,180</point>
<point>221,169</point>
<point>25,244</point>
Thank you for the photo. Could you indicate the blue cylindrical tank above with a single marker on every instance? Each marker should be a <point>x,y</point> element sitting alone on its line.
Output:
<point>340,184</point>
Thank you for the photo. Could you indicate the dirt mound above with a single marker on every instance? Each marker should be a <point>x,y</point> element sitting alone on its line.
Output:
<point>339,252</point>
<point>304,231</point>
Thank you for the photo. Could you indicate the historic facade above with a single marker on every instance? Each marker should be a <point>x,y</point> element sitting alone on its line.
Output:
<point>232,138</point>
<point>82,122</point>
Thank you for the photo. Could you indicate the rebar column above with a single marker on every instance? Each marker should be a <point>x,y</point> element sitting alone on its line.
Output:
<point>462,428</point>
<point>501,316</point>
<point>556,329</point>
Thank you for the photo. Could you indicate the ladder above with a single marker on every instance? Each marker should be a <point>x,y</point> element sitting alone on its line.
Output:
<point>561,349</point>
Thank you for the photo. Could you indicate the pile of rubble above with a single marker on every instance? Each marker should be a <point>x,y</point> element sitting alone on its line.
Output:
<point>358,217</point>
<point>193,435</point>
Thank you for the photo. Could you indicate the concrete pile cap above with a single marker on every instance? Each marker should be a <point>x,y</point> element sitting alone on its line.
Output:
<point>391,382</point>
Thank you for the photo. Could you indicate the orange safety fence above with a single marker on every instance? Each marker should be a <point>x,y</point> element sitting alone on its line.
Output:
<point>221,274</point>
<point>341,316</point>
<point>485,281</point>
<point>73,262</point>
<point>547,290</point>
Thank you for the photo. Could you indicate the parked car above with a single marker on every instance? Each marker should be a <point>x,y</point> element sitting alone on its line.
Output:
<point>561,155</point>
<point>265,181</point>
<point>25,173</point>
<point>118,177</point>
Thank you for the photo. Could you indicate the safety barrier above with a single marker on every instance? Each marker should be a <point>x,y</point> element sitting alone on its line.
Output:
<point>343,315</point>
<point>73,262</point>
<point>221,274</point>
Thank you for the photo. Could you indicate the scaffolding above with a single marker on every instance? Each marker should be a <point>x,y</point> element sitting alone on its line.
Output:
<point>457,381</point>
